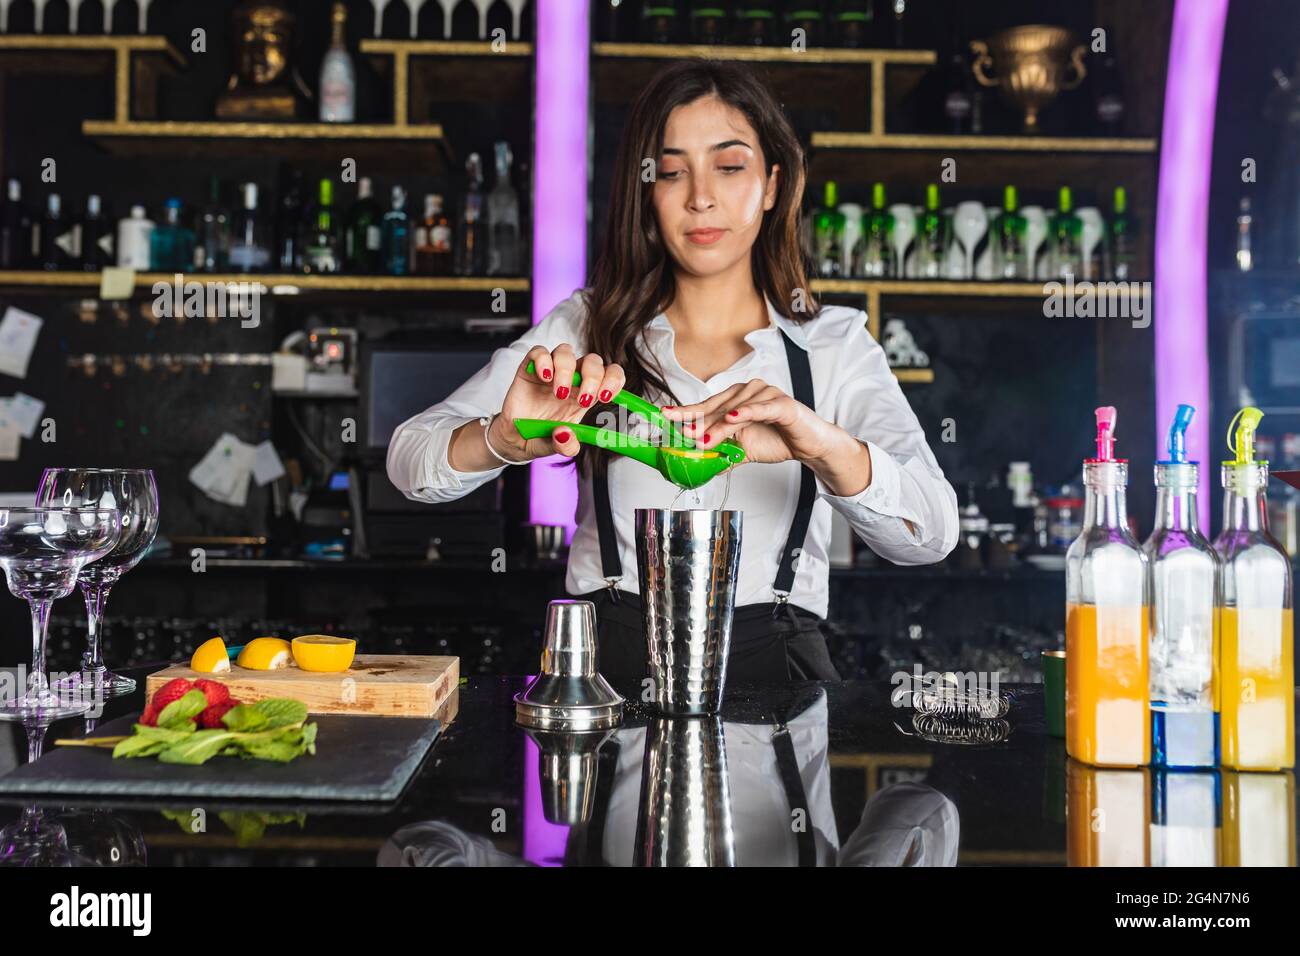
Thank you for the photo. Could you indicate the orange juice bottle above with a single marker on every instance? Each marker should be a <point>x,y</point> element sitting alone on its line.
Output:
<point>1256,643</point>
<point>1107,615</point>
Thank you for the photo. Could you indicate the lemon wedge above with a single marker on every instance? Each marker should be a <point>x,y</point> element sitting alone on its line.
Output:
<point>211,657</point>
<point>264,654</point>
<point>320,652</point>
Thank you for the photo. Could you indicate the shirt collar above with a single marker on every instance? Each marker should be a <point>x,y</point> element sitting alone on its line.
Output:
<point>778,323</point>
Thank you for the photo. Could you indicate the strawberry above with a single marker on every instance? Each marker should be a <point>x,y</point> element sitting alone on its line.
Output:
<point>210,719</point>
<point>170,691</point>
<point>150,716</point>
<point>214,690</point>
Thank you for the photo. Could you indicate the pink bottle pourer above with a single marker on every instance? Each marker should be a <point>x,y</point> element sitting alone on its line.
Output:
<point>1106,416</point>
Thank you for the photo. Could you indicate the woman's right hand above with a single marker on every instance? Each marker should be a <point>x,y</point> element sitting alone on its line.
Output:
<point>548,393</point>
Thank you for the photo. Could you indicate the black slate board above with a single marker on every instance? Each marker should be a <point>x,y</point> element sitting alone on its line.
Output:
<point>356,759</point>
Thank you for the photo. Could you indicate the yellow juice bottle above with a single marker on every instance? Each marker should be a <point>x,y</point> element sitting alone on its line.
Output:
<point>1107,684</point>
<point>1107,816</point>
<point>1256,642</point>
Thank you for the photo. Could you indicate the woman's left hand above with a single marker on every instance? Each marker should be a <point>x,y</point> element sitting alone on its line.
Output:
<point>769,424</point>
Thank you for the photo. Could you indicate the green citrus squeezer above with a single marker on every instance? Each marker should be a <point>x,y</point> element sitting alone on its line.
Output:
<point>680,461</point>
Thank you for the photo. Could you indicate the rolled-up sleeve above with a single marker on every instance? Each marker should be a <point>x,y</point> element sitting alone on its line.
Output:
<point>418,465</point>
<point>907,484</point>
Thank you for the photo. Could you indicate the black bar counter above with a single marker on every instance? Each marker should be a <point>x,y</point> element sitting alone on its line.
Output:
<point>803,774</point>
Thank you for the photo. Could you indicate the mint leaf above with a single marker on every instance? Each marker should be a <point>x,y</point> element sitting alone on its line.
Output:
<point>139,747</point>
<point>278,749</point>
<point>167,735</point>
<point>197,748</point>
<point>281,711</point>
<point>184,709</point>
<point>244,718</point>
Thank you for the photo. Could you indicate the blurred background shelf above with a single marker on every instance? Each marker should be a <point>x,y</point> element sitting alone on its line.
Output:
<point>1035,144</point>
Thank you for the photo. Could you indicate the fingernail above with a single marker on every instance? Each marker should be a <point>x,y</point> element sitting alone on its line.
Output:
<point>733,413</point>
<point>562,391</point>
<point>606,395</point>
<point>705,439</point>
<point>546,375</point>
<point>668,408</point>
<point>562,436</point>
<point>585,401</point>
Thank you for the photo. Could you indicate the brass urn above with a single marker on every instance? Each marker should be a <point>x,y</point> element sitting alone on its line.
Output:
<point>1033,64</point>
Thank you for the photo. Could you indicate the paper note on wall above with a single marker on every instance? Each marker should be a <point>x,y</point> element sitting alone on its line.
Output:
<point>10,435</point>
<point>222,474</point>
<point>18,331</point>
<point>25,412</point>
<point>267,466</point>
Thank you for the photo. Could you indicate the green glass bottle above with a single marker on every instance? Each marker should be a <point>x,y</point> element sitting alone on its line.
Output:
<point>1010,252</point>
<point>876,260</point>
<point>828,234</point>
<point>1065,232</point>
<point>932,237</point>
<point>1122,244</point>
<point>322,248</point>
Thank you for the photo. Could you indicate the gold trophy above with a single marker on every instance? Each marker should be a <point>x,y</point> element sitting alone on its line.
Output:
<point>1033,66</point>
<point>263,85</point>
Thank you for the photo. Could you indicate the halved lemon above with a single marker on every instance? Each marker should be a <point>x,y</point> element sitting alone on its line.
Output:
<point>211,657</point>
<point>264,654</point>
<point>321,652</point>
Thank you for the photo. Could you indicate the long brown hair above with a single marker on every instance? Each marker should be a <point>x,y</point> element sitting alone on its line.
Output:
<point>633,280</point>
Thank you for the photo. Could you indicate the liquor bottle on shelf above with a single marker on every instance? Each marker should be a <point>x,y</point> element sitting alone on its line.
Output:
<point>852,22</point>
<point>249,249</point>
<point>15,230</point>
<point>1107,621</point>
<point>805,15</point>
<point>1108,91</point>
<point>320,247</point>
<point>1121,247</point>
<point>932,237</point>
<point>659,21</point>
<point>1244,257</point>
<point>958,88</point>
<point>134,240</point>
<point>57,241</point>
<point>96,238</point>
<point>1184,615</point>
<point>1065,234</point>
<point>1010,253</point>
<point>708,22</point>
<point>828,234</point>
<point>171,247</point>
<point>338,78</point>
<point>1256,642</point>
<point>397,236</point>
<point>755,22</point>
<point>504,257</point>
<point>433,240</point>
<point>212,253</point>
<point>288,224</point>
<point>365,240</point>
<point>876,259</point>
<point>471,235</point>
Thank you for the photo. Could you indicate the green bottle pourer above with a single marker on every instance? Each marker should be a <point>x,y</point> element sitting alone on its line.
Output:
<point>681,462</point>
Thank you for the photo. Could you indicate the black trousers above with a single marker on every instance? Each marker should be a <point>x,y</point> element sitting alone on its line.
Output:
<point>763,650</point>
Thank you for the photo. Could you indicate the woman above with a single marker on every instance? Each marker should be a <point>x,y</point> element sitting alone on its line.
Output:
<point>700,303</point>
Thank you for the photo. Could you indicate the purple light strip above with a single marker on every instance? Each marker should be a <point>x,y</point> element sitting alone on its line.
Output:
<point>1182,214</point>
<point>544,842</point>
<point>559,203</point>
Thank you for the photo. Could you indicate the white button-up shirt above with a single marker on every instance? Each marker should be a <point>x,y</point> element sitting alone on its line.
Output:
<point>854,388</point>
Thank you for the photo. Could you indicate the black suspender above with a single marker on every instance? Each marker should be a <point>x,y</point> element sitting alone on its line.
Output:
<point>611,564</point>
<point>802,388</point>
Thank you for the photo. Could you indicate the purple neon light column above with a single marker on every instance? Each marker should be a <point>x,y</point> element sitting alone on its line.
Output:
<point>559,202</point>
<point>559,267</point>
<point>1182,213</point>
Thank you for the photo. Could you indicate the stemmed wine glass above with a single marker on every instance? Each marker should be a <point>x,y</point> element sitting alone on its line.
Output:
<point>39,6</point>
<point>516,16</point>
<point>35,840</point>
<point>969,223</point>
<point>143,7</point>
<point>415,6</point>
<point>42,550</point>
<point>483,7</point>
<point>132,492</point>
<point>380,6</point>
<point>74,11</point>
<point>108,6</point>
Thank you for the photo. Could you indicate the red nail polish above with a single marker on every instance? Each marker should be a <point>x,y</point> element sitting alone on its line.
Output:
<point>585,401</point>
<point>562,392</point>
<point>668,408</point>
<point>562,436</point>
<point>606,395</point>
<point>705,439</point>
<point>546,375</point>
<point>733,413</point>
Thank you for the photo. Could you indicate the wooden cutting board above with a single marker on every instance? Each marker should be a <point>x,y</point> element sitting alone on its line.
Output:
<point>379,685</point>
